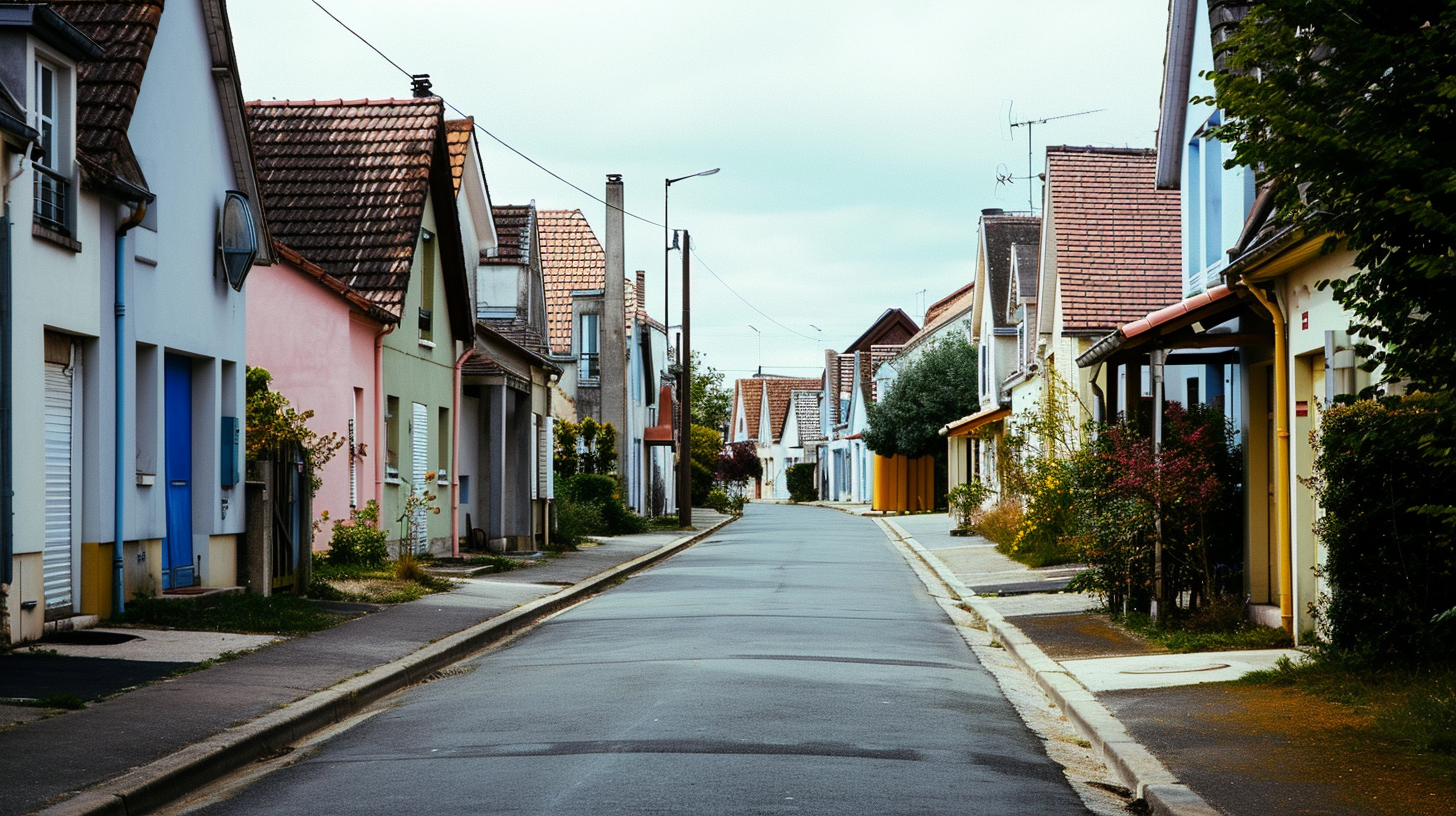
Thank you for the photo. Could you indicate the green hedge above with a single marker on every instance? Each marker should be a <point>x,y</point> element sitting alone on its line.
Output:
<point>1386,478</point>
<point>801,482</point>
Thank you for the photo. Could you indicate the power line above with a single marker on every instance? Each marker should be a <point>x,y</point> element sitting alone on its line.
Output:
<point>551,172</point>
<point>745,300</point>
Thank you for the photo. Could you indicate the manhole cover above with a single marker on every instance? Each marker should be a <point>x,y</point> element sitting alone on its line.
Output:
<point>87,637</point>
<point>1176,669</point>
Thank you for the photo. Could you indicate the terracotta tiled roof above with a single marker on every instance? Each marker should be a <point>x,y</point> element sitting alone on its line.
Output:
<point>457,141</point>
<point>779,390</point>
<point>513,235</point>
<point>956,301</point>
<point>750,393</point>
<point>1118,239</point>
<point>999,233</point>
<point>806,402</point>
<point>106,89</point>
<point>571,260</point>
<point>345,184</point>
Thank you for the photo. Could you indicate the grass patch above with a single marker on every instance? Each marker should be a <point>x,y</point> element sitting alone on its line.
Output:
<point>1200,635</point>
<point>497,563</point>
<point>69,702</point>
<point>256,614</point>
<point>387,584</point>
<point>662,523</point>
<point>1411,710</point>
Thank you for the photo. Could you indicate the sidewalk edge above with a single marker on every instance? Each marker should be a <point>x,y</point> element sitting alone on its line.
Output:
<point>1142,773</point>
<point>168,778</point>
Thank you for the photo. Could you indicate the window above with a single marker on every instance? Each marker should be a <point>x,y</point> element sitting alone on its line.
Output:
<point>52,186</point>
<point>391,438</point>
<point>427,287</point>
<point>442,448</point>
<point>590,366</point>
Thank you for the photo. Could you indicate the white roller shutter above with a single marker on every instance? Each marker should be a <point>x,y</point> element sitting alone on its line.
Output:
<point>420,452</point>
<point>57,559</point>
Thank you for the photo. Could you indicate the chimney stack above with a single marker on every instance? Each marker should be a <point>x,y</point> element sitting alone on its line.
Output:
<point>420,85</point>
<point>614,326</point>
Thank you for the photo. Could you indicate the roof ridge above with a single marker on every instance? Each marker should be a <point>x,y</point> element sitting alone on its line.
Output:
<point>340,103</point>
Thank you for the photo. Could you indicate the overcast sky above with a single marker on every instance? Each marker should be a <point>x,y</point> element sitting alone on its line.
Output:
<point>858,141</point>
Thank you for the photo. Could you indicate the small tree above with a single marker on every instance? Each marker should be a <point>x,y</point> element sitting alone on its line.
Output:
<point>935,388</point>
<point>802,484</point>
<point>705,445</point>
<point>712,403</point>
<point>585,447</point>
<point>738,463</point>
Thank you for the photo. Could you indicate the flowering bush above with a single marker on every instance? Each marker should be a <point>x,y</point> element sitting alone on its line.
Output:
<point>359,540</point>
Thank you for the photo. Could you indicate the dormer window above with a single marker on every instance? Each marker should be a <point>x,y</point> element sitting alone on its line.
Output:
<point>52,186</point>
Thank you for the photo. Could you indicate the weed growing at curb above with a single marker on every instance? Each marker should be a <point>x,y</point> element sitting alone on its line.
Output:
<point>1182,638</point>
<point>275,614</point>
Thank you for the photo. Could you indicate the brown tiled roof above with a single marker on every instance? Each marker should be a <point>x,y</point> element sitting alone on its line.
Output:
<point>571,260</point>
<point>1118,239</point>
<point>749,391</point>
<point>779,390</point>
<point>879,353</point>
<point>956,301</point>
<point>892,327</point>
<point>457,141</point>
<point>830,384</point>
<point>106,89</point>
<point>513,234</point>
<point>333,284</point>
<point>345,184</point>
<point>999,233</point>
<point>519,332</point>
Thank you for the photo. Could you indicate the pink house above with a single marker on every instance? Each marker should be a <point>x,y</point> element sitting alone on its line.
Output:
<point>321,341</point>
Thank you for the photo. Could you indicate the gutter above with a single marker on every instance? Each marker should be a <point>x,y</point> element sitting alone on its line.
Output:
<point>1281,462</point>
<point>118,562</point>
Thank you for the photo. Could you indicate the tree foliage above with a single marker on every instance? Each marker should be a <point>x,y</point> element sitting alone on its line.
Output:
<point>1346,106</point>
<point>712,403</point>
<point>585,447</point>
<point>935,388</point>
<point>738,463</point>
<point>703,447</point>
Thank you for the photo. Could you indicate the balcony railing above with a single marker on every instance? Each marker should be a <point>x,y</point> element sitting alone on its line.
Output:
<point>52,200</point>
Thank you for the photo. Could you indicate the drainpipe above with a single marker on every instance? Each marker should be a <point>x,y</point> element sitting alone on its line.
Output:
<point>1156,359</point>
<point>7,430</point>
<point>118,562</point>
<point>455,459</point>
<point>1281,461</point>
<point>381,452</point>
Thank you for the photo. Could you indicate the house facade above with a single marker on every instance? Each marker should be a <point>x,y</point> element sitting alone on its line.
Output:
<point>389,226</point>
<point>127,394</point>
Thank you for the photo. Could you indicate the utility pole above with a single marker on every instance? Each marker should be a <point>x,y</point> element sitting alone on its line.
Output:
<point>685,399</point>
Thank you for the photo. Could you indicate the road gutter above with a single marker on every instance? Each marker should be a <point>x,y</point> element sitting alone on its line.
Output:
<point>1125,757</point>
<point>181,773</point>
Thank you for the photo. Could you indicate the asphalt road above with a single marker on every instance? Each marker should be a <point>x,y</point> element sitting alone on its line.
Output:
<point>792,663</point>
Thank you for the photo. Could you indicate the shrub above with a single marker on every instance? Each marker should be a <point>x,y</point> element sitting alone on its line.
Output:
<point>704,447</point>
<point>1386,481</point>
<point>724,502</point>
<point>802,484</point>
<point>965,499</point>
<point>603,493</point>
<point>359,540</point>
<point>574,522</point>
<point>999,524</point>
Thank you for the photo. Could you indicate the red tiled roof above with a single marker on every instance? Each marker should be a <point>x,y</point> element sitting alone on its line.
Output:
<point>106,89</point>
<point>344,183</point>
<point>457,141</point>
<point>513,235</point>
<point>1118,239</point>
<point>951,304</point>
<point>749,392</point>
<point>779,392</point>
<point>571,260</point>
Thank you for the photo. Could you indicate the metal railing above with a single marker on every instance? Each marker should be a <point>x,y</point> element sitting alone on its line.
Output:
<point>52,199</point>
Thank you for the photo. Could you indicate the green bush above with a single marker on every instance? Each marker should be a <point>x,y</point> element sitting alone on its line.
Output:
<point>603,494</point>
<point>704,446</point>
<point>802,484</point>
<point>1385,476</point>
<point>724,502</point>
<point>965,499</point>
<point>359,541</point>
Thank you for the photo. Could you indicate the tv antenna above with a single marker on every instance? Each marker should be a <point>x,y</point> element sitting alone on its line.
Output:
<point>1030,172</point>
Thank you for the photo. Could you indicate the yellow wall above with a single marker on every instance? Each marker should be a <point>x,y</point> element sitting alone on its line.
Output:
<point>28,584</point>
<point>222,561</point>
<point>904,485</point>
<point>96,578</point>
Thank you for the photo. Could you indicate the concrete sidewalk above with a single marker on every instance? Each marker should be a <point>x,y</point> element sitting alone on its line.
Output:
<point>140,749</point>
<point>1163,723</point>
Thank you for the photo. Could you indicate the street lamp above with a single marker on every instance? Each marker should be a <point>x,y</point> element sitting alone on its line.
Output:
<point>667,242</point>
<point>685,362</point>
<point>760,345</point>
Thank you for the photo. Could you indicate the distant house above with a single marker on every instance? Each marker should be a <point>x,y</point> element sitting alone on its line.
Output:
<point>365,190</point>
<point>761,408</point>
<point>847,471</point>
<point>973,440</point>
<point>126,357</point>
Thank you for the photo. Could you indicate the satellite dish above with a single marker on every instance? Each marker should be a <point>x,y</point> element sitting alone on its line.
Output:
<point>237,238</point>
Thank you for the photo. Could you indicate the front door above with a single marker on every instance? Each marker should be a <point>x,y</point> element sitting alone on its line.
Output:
<point>178,569</point>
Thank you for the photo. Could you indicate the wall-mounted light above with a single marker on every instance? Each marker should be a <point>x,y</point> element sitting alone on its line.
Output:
<point>237,238</point>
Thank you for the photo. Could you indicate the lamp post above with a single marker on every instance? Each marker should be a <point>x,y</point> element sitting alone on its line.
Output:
<point>760,345</point>
<point>684,475</point>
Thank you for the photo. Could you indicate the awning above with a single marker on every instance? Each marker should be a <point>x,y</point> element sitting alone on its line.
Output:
<point>1182,326</point>
<point>966,424</point>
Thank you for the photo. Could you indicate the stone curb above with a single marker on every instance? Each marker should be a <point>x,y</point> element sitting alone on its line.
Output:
<point>165,780</point>
<point>1133,764</point>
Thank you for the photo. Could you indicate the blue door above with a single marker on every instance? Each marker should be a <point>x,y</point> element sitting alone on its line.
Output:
<point>177,565</point>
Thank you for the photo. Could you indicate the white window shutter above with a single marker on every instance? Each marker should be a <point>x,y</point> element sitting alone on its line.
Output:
<point>535,458</point>
<point>548,456</point>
